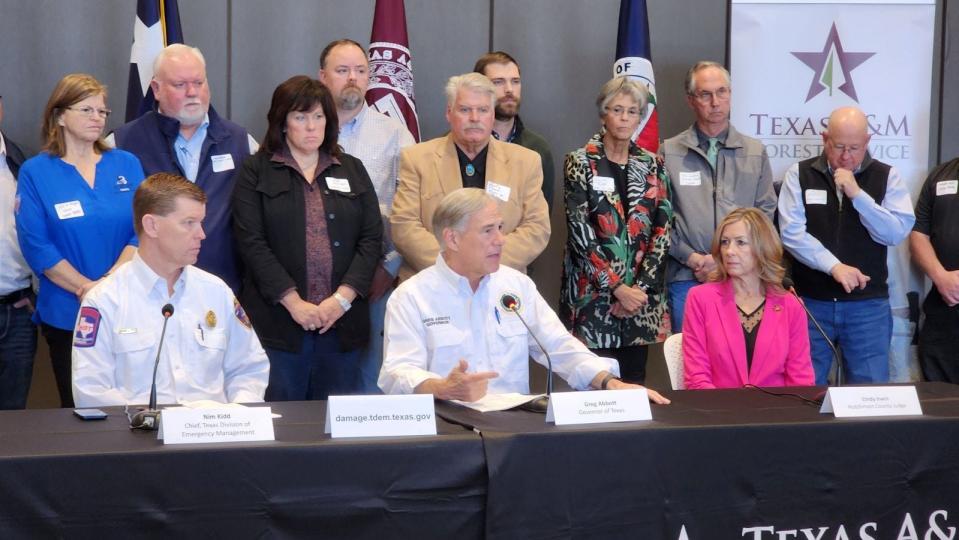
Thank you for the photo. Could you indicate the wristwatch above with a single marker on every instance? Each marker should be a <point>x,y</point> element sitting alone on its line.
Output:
<point>606,379</point>
<point>344,303</point>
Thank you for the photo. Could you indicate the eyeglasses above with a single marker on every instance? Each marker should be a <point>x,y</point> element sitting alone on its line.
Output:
<point>843,148</point>
<point>721,94</point>
<point>90,111</point>
<point>618,111</point>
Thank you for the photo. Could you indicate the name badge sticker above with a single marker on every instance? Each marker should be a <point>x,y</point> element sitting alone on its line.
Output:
<point>947,187</point>
<point>603,183</point>
<point>815,196</point>
<point>69,210</point>
<point>499,191</point>
<point>690,178</point>
<point>222,162</point>
<point>338,184</point>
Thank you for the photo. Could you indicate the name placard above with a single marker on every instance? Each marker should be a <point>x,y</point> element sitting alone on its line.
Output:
<point>858,401</point>
<point>598,406</point>
<point>179,425</point>
<point>380,416</point>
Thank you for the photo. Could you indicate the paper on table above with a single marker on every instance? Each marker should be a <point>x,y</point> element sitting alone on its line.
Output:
<point>497,402</point>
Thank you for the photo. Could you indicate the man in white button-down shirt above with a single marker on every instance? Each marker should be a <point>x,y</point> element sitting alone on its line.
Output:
<point>447,333</point>
<point>210,350</point>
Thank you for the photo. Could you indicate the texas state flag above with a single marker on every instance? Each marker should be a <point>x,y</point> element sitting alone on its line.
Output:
<point>633,59</point>
<point>156,25</point>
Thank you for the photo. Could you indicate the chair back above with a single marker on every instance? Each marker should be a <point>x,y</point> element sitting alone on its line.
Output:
<point>673,351</point>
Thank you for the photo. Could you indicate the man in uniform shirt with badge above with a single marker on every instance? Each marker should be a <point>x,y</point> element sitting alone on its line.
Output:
<point>209,350</point>
<point>451,330</point>
<point>469,156</point>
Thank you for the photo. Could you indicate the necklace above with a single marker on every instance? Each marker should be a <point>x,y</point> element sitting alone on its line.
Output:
<point>470,169</point>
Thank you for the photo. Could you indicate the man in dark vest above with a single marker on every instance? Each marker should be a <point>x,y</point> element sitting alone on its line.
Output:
<point>838,213</point>
<point>186,136</point>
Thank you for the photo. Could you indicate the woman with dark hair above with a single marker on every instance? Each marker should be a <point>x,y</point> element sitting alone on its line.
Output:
<point>619,216</point>
<point>75,215</point>
<point>741,327</point>
<point>307,226</point>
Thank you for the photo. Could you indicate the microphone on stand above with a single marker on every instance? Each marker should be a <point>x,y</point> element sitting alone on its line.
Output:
<point>148,419</point>
<point>541,404</point>
<point>788,285</point>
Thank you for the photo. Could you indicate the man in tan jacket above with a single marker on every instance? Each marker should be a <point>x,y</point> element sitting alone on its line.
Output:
<point>469,157</point>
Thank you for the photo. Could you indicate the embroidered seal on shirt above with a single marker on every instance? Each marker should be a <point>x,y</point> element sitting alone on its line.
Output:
<point>88,325</point>
<point>211,319</point>
<point>510,301</point>
<point>241,314</point>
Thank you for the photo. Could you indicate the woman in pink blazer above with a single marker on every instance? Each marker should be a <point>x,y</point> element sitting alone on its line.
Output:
<point>741,327</point>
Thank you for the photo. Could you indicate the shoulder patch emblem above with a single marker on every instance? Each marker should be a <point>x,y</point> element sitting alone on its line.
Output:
<point>88,325</point>
<point>241,314</point>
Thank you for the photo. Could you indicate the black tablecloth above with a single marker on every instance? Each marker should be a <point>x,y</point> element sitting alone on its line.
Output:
<point>63,477</point>
<point>716,464</point>
<point>713,465</point>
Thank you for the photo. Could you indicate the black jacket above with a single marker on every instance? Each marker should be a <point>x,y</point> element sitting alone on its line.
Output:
<point>270,231</point>
<point>15,156</point>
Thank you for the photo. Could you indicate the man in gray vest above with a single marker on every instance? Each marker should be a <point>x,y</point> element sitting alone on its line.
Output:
<point>838,213</point>
<point>714,169</point>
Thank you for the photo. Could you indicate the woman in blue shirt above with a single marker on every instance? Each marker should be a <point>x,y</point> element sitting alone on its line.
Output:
<point>74,212</point>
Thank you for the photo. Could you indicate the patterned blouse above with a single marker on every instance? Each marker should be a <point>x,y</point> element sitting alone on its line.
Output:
<point>611,242</point>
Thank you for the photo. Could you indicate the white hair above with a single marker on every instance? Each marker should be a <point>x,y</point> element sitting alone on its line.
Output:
<point>176,49</point>
<point>475,82</point>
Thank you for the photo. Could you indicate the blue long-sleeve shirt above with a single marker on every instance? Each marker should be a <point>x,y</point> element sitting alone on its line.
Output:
<point>60,217</point>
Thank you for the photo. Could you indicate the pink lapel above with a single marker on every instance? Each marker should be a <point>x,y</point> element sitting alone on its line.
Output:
<point>733,329</point>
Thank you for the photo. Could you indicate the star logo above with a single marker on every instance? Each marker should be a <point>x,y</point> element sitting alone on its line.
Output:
<point>833,66</point>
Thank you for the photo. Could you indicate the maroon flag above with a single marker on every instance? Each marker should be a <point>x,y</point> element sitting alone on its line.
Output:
<point>391,66</point>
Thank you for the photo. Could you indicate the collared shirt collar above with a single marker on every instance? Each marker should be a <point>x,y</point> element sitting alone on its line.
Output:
<point>357,120</point>
<point>3,146</point>
<point>703,139</point>
<point>515,132</point>
<point>284,156</point>
<point>200,132</point>
<point>152,281</point>
<point>455,280</point>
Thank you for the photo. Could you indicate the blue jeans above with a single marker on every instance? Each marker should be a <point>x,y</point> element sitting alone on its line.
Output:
<point>861,329</point>
<point>677,302</point>
<point>371,359</point>
<point>18,345</point>
<point>318,371</point>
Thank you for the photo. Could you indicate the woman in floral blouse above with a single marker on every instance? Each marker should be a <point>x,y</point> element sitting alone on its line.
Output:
<point>618,214</point>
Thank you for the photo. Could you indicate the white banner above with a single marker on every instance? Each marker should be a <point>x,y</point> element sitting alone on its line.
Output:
<point>792,63</point>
